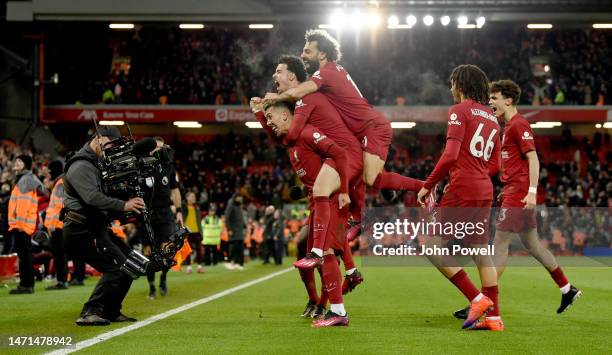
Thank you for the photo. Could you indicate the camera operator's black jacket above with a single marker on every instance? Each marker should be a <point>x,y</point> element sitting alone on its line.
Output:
<point>85,179</point>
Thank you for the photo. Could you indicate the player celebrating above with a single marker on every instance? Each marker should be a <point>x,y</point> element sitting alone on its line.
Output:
<point>321,54</point>
<point>316,109</point>
<point>520,174</point>
<point>310,152</point>
<point>471,156</point>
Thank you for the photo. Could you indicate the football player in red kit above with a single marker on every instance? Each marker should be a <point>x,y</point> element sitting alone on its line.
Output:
<point>310,151</point>
<point>520,175</point>
<point>470,157</point>
<point>321,54</point>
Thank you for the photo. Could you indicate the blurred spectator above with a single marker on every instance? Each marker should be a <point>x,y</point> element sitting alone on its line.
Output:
<point>235,220</point>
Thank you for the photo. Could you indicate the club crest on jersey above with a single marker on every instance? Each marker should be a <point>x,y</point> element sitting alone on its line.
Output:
<point>165,180</point>
<point>301,172</point>
<point>318,137</point>
<point>317,74</point>
<point>453,120</point>
<point>299,104</point>
<point>504,154</point>
<point>527,136</point>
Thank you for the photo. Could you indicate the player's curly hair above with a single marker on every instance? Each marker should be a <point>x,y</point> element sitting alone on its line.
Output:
<point>472,82</point>
<point>295,65</point>
<point>508,88</point>
<point>325,43</point>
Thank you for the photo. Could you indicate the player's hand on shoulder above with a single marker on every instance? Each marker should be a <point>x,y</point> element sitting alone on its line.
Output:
<point>271,98</point>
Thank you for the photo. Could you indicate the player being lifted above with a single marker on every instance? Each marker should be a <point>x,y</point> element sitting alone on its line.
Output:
<point>308,154</point>
<point>470,157</point>
<point>321,54</point>
<point>316,109</point>
<point>520,175</point>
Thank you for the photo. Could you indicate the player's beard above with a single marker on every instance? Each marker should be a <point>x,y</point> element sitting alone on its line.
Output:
<point>311,66</point>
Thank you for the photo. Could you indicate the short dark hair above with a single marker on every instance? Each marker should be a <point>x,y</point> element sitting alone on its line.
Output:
<point>159,139</point>
<point>472,82</point>
<point>295,65</point>
<point>325,43</point>
<point>508,88</point>
<point>289,105</point>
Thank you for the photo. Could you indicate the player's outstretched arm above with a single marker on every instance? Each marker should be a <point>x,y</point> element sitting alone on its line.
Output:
<point>446,162</point>
<point>293,94</point>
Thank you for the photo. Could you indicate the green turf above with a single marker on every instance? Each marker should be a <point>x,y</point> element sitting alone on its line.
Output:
<point>397,310</point>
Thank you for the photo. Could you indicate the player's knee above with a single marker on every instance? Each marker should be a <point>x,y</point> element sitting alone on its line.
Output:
<point>319,190</point>
<point>370,177</point>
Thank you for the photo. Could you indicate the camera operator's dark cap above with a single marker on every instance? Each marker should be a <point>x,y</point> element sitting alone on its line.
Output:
<point>109,131</point>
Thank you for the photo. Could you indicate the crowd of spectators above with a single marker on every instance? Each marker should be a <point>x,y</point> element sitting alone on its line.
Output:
<point>217,168</point>
<point>161,65</point>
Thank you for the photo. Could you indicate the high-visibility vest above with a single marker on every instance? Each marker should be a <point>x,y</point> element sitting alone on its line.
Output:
<point>23,205</point>
<point>118,229</point>
<point>56,204</point>
<point>211,230</point>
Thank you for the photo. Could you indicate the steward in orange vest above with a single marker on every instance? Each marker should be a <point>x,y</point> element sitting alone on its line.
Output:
<point>23,219</point>
<point>54,224</point>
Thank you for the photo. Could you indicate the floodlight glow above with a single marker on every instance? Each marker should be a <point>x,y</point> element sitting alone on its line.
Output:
<point>253,124</point>
<point>468,26</point>
<point>539,26</point>
<point>480,21</point>
<point>607,125</point>
<point>121,26</point>
<point>544,124</point>
<point>445,20</point>
<point>392,21</point>
<point>462,20</point>
<point>602,25</point>
<point>402,125</point>
<point>411,20</point>
<point>337,19</point>
<point>191,26</point>
<point>428,20</point>
<point>187,124</point>
<point>111,123</point>
<point>261,26</point>
<point>357,19</point>
<point>547,68</point>
<point>373,20</point>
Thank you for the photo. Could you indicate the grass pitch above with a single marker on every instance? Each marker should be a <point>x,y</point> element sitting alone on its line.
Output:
<point>396,310</point>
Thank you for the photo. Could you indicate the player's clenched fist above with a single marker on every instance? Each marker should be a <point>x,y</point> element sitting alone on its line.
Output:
<point>256,104</point>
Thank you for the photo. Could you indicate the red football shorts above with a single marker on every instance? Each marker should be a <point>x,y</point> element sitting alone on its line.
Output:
<point>377,138</point>
<point>513,217</point>
<point>469,219</point>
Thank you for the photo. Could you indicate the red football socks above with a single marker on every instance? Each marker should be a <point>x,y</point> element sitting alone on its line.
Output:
<point>332,279</point>
<point>462,281</point>
<point>324,295</point>
<point>347,256</point>
<point>308,278</point>
<point>395,181</point>
<point>492,292</point>
<point>321,221</point>
<point>559,277</point>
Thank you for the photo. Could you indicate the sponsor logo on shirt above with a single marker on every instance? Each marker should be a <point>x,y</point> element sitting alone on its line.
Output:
<point>453,120</point>
<point>318,137</point>
<point>527,136</point>
<point>317,74</point>
<point>301,172</point>
<point>505,155</point>
<point>299,104</point>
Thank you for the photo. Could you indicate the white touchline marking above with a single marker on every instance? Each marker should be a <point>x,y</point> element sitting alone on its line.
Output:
<point>117,332</point>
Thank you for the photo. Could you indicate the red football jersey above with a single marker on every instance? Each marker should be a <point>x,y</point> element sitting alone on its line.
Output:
<point>335,83</point>
<point>308,153</point>
<point>315,109</point>
<point>518,139</point>
<point>476,127</point>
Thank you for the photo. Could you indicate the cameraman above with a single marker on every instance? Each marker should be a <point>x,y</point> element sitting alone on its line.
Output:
<point>165,195</point>
<point>86,230</point>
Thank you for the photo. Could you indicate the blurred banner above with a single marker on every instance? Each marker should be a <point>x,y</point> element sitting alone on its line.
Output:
<point>221,114</point>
